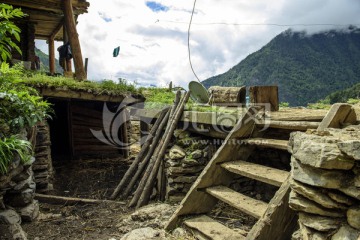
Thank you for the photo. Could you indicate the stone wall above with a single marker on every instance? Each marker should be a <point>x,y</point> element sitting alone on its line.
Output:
<point>184,162</point>
<point>326,183</point>
<point>42,167</point>
<point>17,204</point>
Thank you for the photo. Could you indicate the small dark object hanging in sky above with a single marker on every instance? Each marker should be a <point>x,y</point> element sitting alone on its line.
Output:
<point>116,51</point>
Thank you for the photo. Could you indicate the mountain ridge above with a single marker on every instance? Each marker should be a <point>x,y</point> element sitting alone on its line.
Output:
<point>306,67</point>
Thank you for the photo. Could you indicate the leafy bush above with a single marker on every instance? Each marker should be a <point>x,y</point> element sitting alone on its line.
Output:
<point>8,30</point>
<point>11,146</point>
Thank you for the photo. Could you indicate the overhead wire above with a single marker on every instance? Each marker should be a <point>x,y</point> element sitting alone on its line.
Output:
<point>188,41</point>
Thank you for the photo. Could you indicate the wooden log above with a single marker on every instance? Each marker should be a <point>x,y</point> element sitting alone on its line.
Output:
<point>154,148</point>
<point>151,175</point>
<point>277,214</point>
<point>71,200</point>
<point>265,95</point>
<point>291,125</point>
<point>130,172</point>
<point>74,40</point>
<point>51,55</point>
<point>124,133</point>
<point>228,94</point>
<point>144,163</point>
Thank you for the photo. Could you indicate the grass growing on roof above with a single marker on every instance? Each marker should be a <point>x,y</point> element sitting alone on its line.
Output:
<point>107,87</point>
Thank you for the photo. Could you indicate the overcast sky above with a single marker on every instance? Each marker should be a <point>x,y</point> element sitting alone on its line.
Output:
<point>152,35</point>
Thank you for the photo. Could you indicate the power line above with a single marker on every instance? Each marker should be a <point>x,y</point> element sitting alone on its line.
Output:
<point>265,24</point>
<point>189,52</point>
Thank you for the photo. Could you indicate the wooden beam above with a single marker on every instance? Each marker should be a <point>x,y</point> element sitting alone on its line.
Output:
<point>57,29</point>
<point>74,40</point>
<point>51,55</point>
<point>277,214</point>
<point>72,201</point>
<point>340,114</point>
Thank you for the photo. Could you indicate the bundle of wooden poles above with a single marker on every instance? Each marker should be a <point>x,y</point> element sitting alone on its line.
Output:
<point>147,168</point>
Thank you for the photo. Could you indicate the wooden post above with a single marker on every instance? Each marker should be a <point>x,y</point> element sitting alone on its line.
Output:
<point>74,40</point>
<point>86,65</point>
<point>51,56</point>
<point>265,95</point>
<point>67,62</point>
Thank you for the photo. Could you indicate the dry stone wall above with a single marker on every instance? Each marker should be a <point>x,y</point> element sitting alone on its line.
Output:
<point>184,162</point>
<point>42,167</point>
<point>325,184</point>
<point>17,204</point>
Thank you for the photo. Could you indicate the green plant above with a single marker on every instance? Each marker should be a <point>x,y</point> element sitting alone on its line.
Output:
<point>20,105</point>
<point>8,30</point>
<point>353,100</point>
<point>11,146</point>
<point>284,104</point>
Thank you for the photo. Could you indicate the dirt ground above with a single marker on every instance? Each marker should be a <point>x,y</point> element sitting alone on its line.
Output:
<point>95,179</point>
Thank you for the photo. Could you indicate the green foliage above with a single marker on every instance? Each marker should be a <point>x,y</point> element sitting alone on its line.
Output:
<point>11,145</point>
<point>305,67</point>
<point>284,104</point>
<point>20,105</point>
<point>318,105</point>
<point>44,62</point>
<point>108,87</point>
<point>157,97</point>
<point>8,30</point>
<point>353,101</point>
<point>345,95</point>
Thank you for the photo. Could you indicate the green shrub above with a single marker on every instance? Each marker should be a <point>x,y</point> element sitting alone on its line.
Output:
<point>11,146</point>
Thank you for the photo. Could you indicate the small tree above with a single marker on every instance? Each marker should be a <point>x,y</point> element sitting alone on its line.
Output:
<point>8,30</point>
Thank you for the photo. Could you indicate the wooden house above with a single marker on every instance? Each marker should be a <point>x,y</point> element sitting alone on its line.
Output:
<point>50,20</point>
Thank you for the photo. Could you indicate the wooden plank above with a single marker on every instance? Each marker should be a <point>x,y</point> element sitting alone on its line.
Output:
<point>211,229</point>
<point>268,143</point>
<point>72,201</point>
<point>291,125</point>
<point>279,221</point>
<point>265,95</point>
<point>195,201</point>
<point>337,116</point>
<point>261,173</point>
<point>250,206</point>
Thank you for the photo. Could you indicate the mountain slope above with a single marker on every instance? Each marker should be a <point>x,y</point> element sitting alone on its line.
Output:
<point>344,95</point>
<point>305,67</point>
<point>44,61</point>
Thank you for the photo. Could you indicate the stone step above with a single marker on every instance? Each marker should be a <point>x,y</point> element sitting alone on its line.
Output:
<point>206,228</point>
<point>258,172</point>
<point>250,206</point>
<point>268,143</point>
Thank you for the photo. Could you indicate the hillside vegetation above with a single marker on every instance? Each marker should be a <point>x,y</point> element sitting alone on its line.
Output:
<point>44,61</point>
<point>306,68</point>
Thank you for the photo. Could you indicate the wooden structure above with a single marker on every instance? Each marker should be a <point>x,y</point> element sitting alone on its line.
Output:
<point>77,113</point>
<point>51,20</point>
<point>227,95</point>
<point>265,95</point>
<point>275,219</point>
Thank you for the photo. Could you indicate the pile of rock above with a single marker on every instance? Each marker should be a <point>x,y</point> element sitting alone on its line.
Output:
<point>17,204</point>
<point>326,183</point>
<point>42,167</point>
<point>184,162</point>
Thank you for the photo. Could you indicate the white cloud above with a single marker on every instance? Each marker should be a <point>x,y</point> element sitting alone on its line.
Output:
<point>155,52</point>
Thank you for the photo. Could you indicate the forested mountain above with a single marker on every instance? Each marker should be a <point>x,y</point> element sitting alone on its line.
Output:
<point>44,61</point>
<point>344,95</point>
<point>306,68</point>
